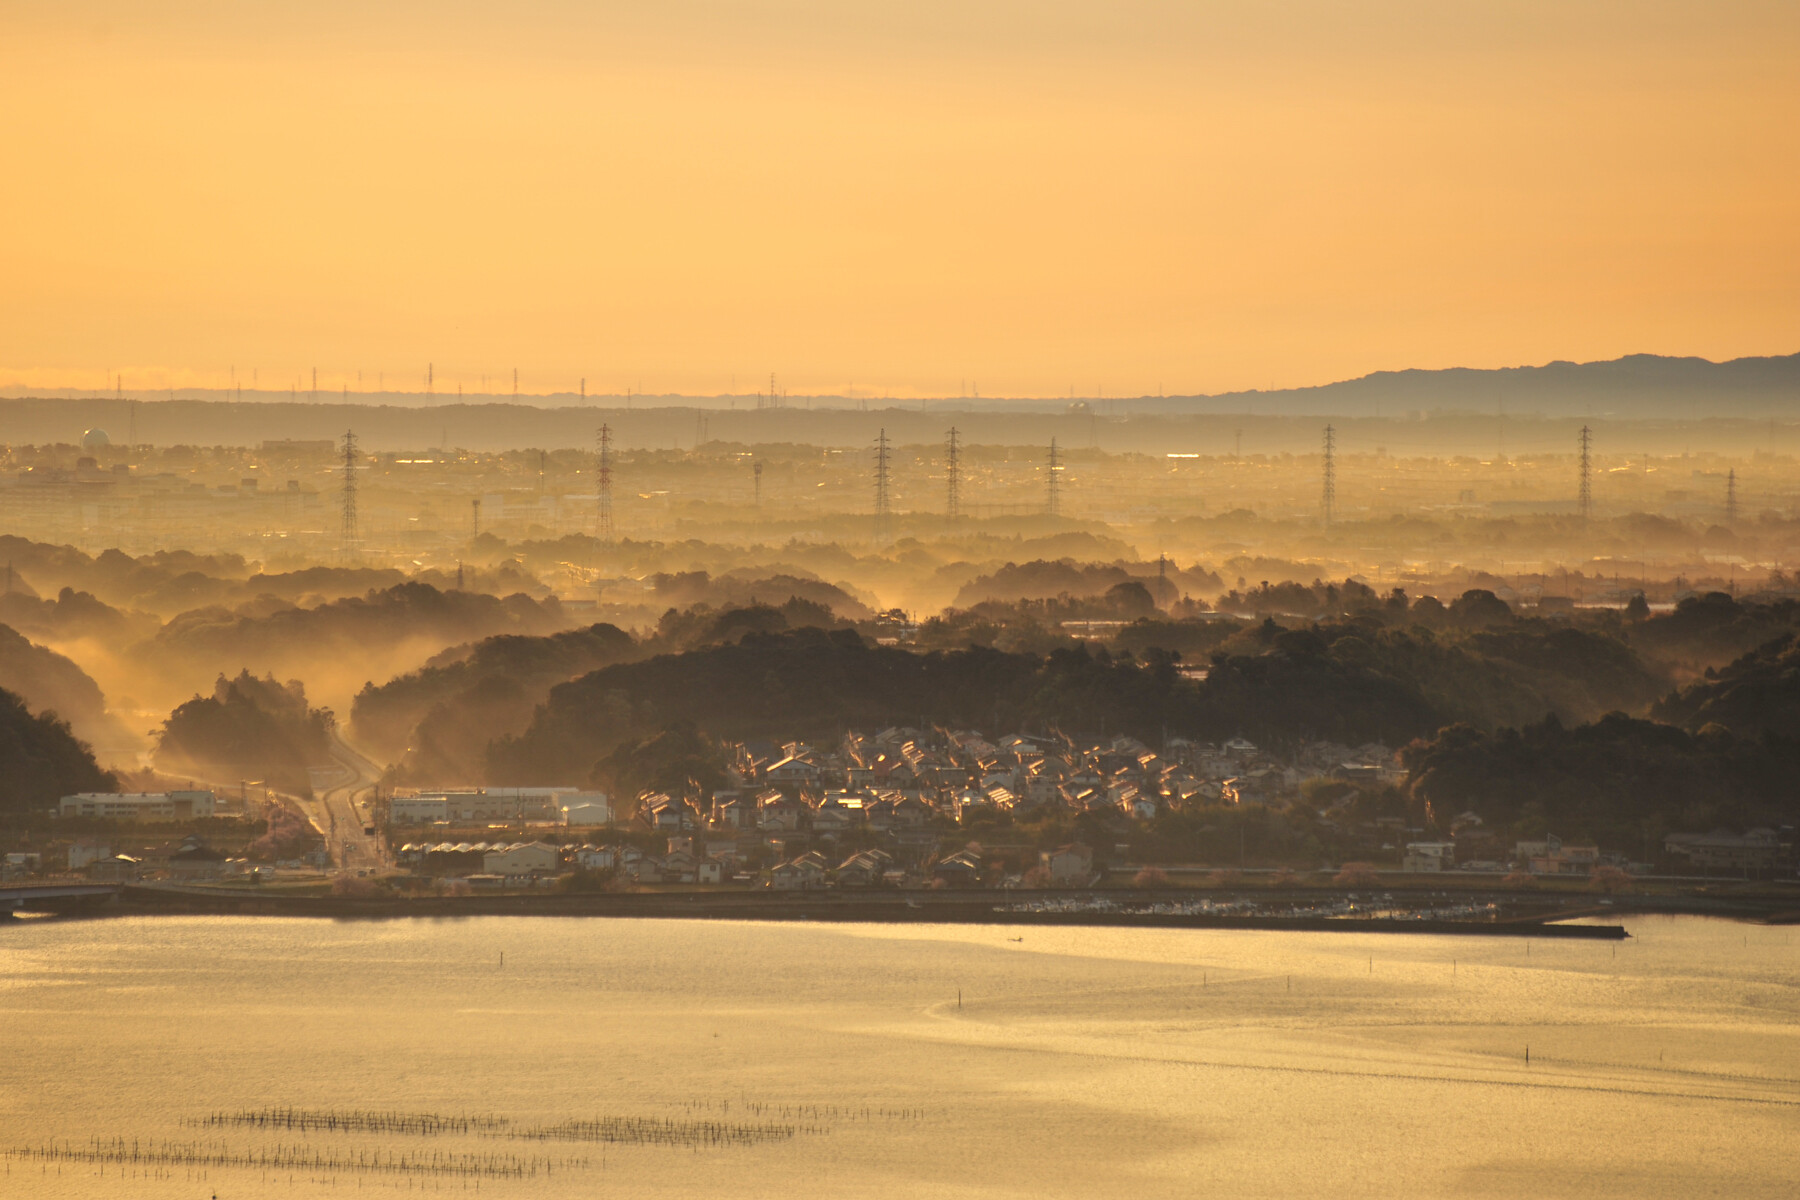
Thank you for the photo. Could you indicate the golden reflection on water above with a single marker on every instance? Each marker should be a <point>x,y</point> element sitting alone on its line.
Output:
<point>911,1061</point>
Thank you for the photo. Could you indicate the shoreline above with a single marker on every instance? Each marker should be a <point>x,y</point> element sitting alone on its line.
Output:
<point>1516,917</point>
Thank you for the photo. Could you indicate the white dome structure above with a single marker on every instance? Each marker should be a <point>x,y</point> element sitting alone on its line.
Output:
<point>95,439</point>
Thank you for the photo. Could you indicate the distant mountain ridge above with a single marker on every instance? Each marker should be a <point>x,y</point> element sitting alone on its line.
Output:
<point>1639,387</point>
<point>1635,386</point>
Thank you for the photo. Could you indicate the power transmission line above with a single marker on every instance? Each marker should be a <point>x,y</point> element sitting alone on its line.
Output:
<point>1586,499</point>
<point>350,531</point>
<point>1330,472</point>
<point>883,510</point>
<point>603,515</point>
<point>953,484</point>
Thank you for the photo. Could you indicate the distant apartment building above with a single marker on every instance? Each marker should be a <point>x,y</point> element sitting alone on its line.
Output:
<point>139,806</point>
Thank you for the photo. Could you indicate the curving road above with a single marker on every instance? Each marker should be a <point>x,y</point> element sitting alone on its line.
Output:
<point>341,811</point>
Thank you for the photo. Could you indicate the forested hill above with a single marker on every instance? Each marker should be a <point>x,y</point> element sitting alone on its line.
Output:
<point>1344,683</point>
<point>41,760</point>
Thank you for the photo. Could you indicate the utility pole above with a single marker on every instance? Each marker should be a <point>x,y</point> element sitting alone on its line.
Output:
<point>1586,498</point>
<point>953,483</point>
<point>603,515</point>
<point>1731,497</point>
<point>1330,472</point>
<point>1053,483</point>
<point>882,480</point>
<point>350,531</point>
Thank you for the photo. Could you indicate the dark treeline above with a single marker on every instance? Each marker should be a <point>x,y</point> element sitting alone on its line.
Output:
<point>249,728</point>
<point>1345,682</point>
<point>440,718</point>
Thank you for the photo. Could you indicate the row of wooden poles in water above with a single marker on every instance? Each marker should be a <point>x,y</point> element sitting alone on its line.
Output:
<point>617,1130</point>
<point>604,1130</point>
<point>148,1153</point>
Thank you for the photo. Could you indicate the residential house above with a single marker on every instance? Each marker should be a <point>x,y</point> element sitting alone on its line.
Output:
<point>597,858</point>
<point>962,869</point>
<point>777,813</point>
<point>195,860</point>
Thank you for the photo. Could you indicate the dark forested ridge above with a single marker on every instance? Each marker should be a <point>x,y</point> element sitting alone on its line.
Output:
<point>1345,683</point>
<point>1624,781</point>
<point>440,718</point>
<point>41,760</point>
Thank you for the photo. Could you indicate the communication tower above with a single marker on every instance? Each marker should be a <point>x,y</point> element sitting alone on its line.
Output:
<point>1731,496</point>
<point>475,517</point>
<point>756,472</point>
<point>1053,483</point>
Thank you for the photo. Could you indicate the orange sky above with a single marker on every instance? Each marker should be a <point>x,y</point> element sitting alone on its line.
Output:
<point>1028,195</point>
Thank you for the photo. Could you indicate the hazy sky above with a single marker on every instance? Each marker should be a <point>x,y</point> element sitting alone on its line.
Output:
<point>1028,195</point>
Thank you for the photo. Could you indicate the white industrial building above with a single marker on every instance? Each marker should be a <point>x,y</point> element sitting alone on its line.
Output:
<point>139,806</point>
<point>561,805</point>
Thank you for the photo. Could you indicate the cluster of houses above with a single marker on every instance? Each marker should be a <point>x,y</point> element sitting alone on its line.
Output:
<point>873,810</point>
<point>187,859</point>
<point>961,777</point>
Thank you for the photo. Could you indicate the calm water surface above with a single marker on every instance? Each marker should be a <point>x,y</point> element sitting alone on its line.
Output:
<point>1078,1062</point>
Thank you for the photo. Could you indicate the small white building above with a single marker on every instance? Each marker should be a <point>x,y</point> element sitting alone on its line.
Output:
<point>587,808</point>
